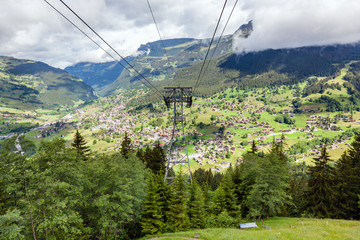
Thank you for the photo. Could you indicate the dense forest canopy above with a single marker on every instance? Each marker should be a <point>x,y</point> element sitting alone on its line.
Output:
<point>54,192</point>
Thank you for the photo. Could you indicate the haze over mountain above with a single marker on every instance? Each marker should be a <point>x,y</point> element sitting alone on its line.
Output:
<point>97,75</point>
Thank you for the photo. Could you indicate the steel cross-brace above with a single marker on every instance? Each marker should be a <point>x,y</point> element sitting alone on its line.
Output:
<point>177,97</point>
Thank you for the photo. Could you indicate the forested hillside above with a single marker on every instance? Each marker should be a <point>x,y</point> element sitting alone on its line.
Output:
<point>26,84</point>
<point>64,192</point>
<point>271,67</point>
<point>97,75</point>
<point>155,63</point>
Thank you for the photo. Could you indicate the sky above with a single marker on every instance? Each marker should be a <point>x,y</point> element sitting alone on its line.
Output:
<point>31,29</point>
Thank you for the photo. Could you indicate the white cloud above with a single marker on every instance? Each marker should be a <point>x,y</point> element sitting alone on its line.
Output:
<point>296,23</point>
<point>33,30</point>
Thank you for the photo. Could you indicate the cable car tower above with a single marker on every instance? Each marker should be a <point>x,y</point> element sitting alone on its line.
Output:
<point>177,97</point>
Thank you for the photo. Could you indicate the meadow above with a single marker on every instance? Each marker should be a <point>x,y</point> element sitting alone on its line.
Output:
<point>275,228</point>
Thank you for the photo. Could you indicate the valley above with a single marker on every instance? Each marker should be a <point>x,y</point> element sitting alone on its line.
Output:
<point>220,127</point>
<point>180,120</point>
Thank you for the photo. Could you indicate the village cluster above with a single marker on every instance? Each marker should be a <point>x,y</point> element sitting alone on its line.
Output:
<point>240,121</point>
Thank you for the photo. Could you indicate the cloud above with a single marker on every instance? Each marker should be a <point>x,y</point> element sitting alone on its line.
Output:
<point>35,31</point>
<point>296,23</point>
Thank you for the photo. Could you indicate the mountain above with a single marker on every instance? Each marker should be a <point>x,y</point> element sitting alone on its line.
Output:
<point>181,61</point>
<point>272,67</point>
<point>97,75</point>
<point>28,84</point>
<point>160,67</point>
<point>294,64</point>
<point>244,30</point>
<point>152,61</point>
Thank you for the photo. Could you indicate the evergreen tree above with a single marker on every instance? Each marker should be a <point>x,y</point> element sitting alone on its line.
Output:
<point>154,158</point>
<point>354,161</point>
<point>297,192</point>
<point>278,148</point>
<point>79,144</point>
<point>164,201</point>
<point>159,158</point>
<point>177,217</point>
<point>126,147</point>
<point>229,198</point>
<point>218,201</point>
<point>152,220</point>
<point>237,179</point>
<point>195,207</point>
<point>268,194</point>
<point>254,148</point>
<point>347,187</point>
<point>249,170</point>
<point>321,187</point>
<point>205,178</point>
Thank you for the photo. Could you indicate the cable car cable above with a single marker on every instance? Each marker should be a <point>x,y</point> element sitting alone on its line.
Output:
<point>162,42</point>
<point>111,47</point>
<point>212,39</point>
<point>93,41</point>
<point>217,44</point>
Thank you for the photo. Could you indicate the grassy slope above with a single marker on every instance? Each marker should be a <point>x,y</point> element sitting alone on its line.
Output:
<point>281,228</point>
<point>26,84</point>
<point>202,111</point>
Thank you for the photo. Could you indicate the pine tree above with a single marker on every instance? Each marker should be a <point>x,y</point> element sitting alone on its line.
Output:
<point>249,170</point>
<point>218,201</point>
<point>254,148</point>
<point>268,194</point>
<point>230,199</point>
<point>354,158</point>
<point>177,217</point>
<point>155,159</point>
<point>159,158</point>
<point>126,147</point>
<point>79,144</point>
<point>347,188</point>
<point>152,220</point>
<point>321,187</point>
<point>278,148</point>
<point>195,207</point>
<point>297,192</point>
<point>237,179</point>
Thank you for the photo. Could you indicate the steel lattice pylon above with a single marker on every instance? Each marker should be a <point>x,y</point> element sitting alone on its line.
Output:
<point>177,97</point>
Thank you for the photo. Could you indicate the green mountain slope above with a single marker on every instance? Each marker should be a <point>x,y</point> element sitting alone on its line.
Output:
<point>157,61</point>
<point>27,84</point>
<point>270,67</point>
<point>158,67</point>
<point>97,75</point>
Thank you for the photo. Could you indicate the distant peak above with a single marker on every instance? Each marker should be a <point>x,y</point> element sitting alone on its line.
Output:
<point>244,30</point>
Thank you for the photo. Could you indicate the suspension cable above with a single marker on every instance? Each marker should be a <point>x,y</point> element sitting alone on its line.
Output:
<point>157,28</point>
<point>158,92</point>
<point>212,39</point>
<point>217,44</point>
<point>90,38</point>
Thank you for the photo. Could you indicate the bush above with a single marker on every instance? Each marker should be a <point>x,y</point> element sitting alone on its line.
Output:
<point>285,119</point>
<point>244,143</point>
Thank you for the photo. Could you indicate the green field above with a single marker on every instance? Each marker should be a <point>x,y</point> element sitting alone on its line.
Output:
<point>276,228</point>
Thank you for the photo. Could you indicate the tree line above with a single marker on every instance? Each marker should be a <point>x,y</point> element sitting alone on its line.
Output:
<point>67,192</point>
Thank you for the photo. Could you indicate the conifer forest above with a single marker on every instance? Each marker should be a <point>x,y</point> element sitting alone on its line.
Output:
<point>68,192</point>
